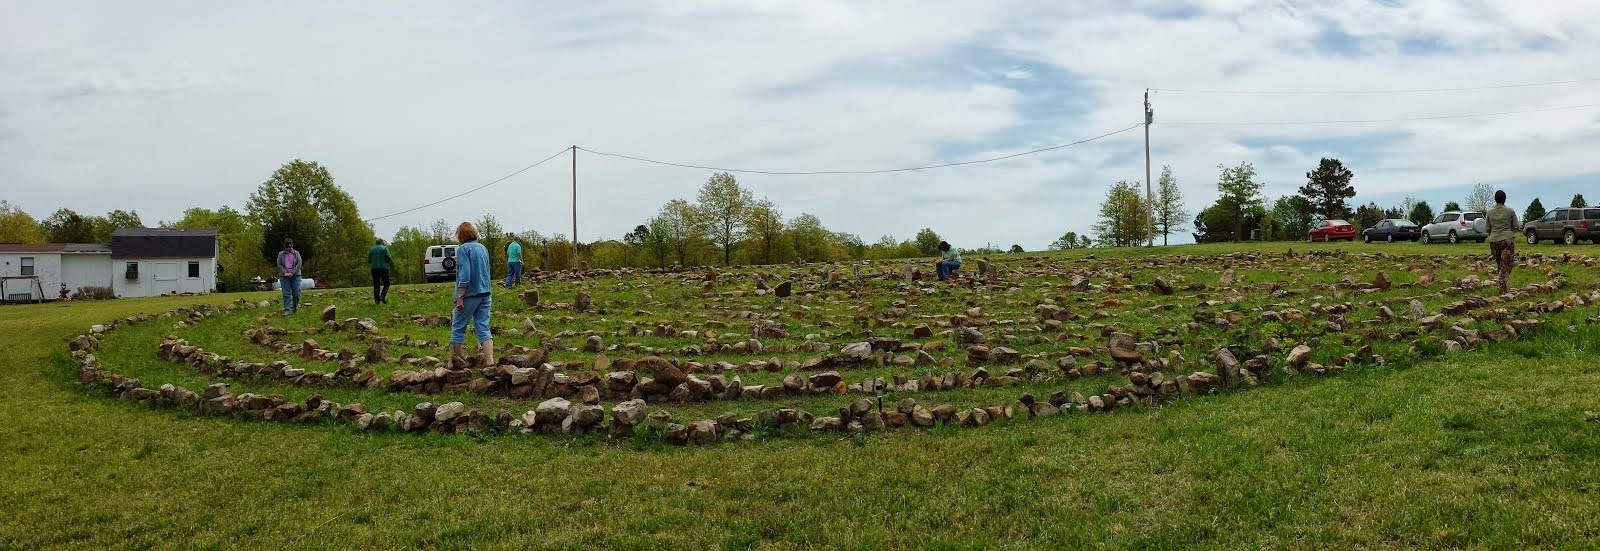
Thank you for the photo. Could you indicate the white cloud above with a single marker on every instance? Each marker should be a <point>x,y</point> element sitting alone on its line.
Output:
<point>161,108</point>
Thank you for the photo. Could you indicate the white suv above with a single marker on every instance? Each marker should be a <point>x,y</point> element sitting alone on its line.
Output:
<point>1454,227</point>
<point>439,263</point>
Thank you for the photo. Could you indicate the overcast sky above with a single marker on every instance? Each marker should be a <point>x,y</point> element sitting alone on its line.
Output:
<point>161,106</point>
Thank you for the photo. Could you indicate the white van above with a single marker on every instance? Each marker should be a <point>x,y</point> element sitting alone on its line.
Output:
<point>439,263</point>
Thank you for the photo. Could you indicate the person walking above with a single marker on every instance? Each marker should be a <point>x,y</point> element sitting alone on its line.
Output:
<point>472,294</point>
<point>513,263</point>
<point>380,261</point>
<point>1502,238</point>
<point>289,269</point>
<point>949,260</point>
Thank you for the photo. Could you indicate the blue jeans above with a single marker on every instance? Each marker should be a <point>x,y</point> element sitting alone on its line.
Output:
<point>946,267</point>
<point>291,293</point>
<point>513,274</point>
<point>477,308</point>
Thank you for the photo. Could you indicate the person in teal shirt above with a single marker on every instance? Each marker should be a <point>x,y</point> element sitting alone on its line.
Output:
<point>378,258</point>
<point>949,260</point>
<point>513,263</point>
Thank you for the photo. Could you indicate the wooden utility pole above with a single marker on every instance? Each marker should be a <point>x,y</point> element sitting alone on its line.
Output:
<point>574,205</point>
<point>1149,193</point>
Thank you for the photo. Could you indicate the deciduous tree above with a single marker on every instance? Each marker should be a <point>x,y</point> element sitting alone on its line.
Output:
<point>301,201</point>
<point>17,226</point>
<point>1169,211</point>
<point>726,206</point>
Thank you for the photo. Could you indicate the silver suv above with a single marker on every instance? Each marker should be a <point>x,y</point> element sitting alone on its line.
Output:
<point>1454,227</point>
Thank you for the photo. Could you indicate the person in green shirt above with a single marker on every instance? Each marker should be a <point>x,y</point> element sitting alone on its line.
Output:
<point>378,258</point>
<point>1502,238</point>
<point>513,263</point>
<point>949,260</point>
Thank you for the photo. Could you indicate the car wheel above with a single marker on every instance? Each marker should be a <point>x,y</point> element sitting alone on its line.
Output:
<point>1327,238</point>
<point>1453,238</point>
<point>1533,238</point>
<point>1366,238</point>
<point>1569,238</point>
<point>1390,239</point>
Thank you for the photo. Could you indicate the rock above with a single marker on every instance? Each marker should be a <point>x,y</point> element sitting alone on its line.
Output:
<point>921,332</point>
<point>873,420</point>
<point>826,424</point>
<point>590,395</point>
<point>593,344</point>
<point>530,297</point>
<point>1163,286</point>
<point>1043,409</point>
<point>859,351</point>
<point>1123,349</point>
<point>329,313</point>
<point>966,336</point>
<point>826,379</point>
<point>783,289</point>
<point>793,383</point>
<point>921,417</point>
<point>553,411</point>
<point>586,415</point>
<point>449,411</point>
<point>628,413</point>
<point>582,302</point>
<point>80,342</point>
<point>702,432</point>
<point>1416,310</point>
<point>860,407</point>
<point>1381,282</point>
<point>1299,356</point>
<point>528,328</point>
<point>216,390</point>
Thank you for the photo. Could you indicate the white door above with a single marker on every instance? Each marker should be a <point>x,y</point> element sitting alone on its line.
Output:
<point>166,278</point>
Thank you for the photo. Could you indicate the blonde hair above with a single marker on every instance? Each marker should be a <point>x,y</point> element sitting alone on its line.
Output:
<point>465,232</point>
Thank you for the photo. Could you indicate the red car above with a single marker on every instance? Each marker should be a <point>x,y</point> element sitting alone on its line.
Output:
<point>1330,230</point>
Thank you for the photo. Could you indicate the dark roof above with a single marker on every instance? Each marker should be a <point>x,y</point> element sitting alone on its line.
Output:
<point>31,247</point>
<point>163,243</point>
<point>163,232</point>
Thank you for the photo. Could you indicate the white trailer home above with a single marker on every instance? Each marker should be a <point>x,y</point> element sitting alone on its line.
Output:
<point>37,271</point>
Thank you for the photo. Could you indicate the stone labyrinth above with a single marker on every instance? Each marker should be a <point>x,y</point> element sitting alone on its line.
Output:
<point>696,357</point>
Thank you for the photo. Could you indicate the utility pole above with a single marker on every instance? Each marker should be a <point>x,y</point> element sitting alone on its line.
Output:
<point>1149,193</point>
<point>574,206</point>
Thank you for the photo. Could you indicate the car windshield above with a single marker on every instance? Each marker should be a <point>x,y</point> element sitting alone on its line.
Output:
<point>1336,223</point>
<point>1404,223</point>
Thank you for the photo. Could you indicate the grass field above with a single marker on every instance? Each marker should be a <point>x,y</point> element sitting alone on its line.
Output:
<point>1495,447</point>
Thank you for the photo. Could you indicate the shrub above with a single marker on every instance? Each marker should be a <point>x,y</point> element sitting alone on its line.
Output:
<point>94,293</point>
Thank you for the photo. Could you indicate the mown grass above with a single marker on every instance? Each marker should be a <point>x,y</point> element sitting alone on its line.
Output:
<point>1492,448</point>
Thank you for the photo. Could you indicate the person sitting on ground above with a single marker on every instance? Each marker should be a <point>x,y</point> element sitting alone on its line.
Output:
<point>949,260</point>
<point>1502,238</point>
<point>472,295</point>
<point>378,258</point>
<point>513,263</point>
<point>289,270</point>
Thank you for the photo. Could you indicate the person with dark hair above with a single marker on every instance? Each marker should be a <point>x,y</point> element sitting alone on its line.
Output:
<point>949,261</point>
<point>1502,238</point>
<point>378,258</point>
<point>290,267</point>
<point>472,295</point>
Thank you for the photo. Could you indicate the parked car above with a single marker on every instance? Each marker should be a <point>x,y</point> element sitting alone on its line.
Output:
<point>1454,227</point>
<point>1333,229</point>
<point>1391,230</point>
<point>1566,225</point>
<point>439,263</point>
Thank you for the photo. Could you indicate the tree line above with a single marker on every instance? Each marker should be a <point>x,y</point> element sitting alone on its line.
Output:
<point>725,224</point>
<point>1241,212</point>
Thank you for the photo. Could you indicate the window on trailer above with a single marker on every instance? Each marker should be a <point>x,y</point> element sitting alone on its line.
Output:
<point>27,266</point>
<point>194,268</point>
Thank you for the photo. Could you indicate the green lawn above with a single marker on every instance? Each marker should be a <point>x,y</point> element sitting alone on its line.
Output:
<point>1496,447</point>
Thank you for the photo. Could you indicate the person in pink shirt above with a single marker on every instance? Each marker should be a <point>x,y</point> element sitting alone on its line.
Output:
<point>289,270</point>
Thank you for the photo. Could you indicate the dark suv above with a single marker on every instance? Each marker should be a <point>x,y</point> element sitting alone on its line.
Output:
<point>1565,225</point>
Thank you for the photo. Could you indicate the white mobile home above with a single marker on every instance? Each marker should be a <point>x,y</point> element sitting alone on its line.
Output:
<point>37,271</point>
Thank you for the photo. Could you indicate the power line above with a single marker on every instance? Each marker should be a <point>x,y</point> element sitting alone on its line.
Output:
<point>1392,91</point>
<point>884,171</point>
<point>1363,121</point>
<point>496,181</point>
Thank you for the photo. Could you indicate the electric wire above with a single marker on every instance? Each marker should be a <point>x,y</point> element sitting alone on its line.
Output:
<point>882,171</point>
<point>458,195</point>
<point>1390,91</point>
<point>1366,121</point>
